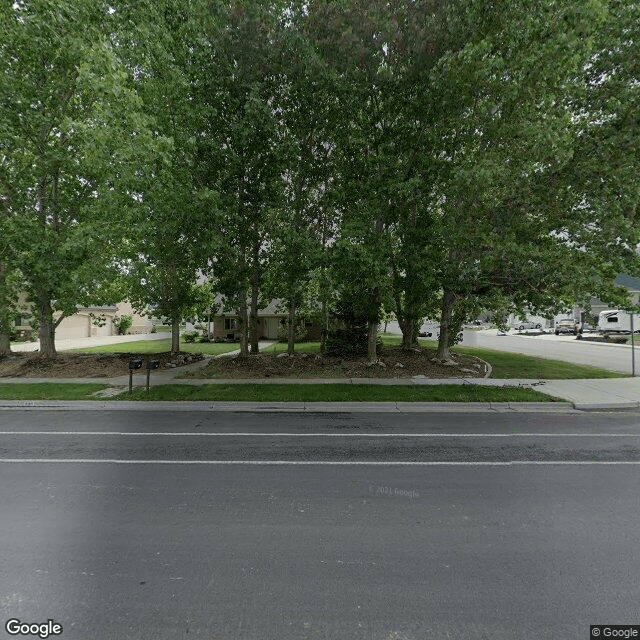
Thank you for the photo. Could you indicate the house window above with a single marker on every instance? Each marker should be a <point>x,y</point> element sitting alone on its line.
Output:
<point>229,324</point>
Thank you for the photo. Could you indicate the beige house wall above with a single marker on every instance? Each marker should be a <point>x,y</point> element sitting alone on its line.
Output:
<point>76,326</point>
<point>141,322</point>
<point>81,324</point>
<point>269,328</point>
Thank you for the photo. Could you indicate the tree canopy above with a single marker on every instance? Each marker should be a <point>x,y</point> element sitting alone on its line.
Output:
<point>422,158</point>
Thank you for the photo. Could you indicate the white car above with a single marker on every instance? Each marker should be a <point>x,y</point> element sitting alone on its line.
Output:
<point>527,324</point>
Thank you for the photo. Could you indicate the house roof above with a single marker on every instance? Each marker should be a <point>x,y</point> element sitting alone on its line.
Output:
<point>272,309</point>
<point>108,307</point>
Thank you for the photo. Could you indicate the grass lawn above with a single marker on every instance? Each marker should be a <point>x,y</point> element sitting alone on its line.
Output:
<point>515,365</point>
<point>301,347</point>
<point>160,346</point>
<point>505,365</point>
<point>49,391</point>
<point>336,393</point>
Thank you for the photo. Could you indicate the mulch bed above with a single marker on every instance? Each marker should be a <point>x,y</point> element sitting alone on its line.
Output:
<point>414,363</point>
<point>66,365</point>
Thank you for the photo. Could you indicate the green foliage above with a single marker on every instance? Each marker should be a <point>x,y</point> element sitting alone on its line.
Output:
<point>352,341</point>
<point>190,336</point>
<point>300,332</point>
<point>74,142</point>
<point>123,323</point>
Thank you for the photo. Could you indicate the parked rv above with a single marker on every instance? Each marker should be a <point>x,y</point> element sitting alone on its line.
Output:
<point>616,321</point>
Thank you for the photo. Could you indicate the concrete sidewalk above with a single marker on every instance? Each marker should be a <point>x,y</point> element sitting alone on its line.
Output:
<point>582,394</point>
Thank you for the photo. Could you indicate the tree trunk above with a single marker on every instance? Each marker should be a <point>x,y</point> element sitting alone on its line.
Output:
<point>253,319</point>
<point>291,328</point>
<point>408,333</point>
<point>443,354</point>
<point>5,315</point>
<point>372,346</point>
<point>47,328</point>
<point>243,317</point>
<point>175,335</point>
<point>5,345</point>
<point>325,327</point>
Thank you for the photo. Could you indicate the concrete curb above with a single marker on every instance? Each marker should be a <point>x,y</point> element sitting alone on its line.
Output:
<point>291,407</point>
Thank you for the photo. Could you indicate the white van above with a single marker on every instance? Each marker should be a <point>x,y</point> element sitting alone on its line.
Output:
<point>616,321</point>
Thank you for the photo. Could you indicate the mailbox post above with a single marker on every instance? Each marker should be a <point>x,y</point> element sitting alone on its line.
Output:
<point>151,364</point>
<point>134,364</point>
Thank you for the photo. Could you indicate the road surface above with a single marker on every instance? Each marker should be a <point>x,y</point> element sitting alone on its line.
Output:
<point>246,526</point>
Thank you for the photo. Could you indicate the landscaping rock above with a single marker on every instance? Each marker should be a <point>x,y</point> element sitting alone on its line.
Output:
<point>399,365</point>
<point>283,355</point>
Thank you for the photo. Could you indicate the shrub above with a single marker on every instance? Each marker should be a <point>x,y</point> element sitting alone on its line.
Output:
<point>349,342</point>
<point>190,336</point>
<point>123,324</point>
<point>299,334</point>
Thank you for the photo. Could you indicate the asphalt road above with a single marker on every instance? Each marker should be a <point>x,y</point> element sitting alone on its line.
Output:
<point>614,357</point>
<point>283,526</point>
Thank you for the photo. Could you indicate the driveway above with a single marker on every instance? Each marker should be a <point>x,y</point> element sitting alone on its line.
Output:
<point>83,343</point>
<point>613,357</point>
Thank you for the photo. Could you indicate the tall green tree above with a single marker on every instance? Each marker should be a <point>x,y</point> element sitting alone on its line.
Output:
<point>72,137</point>
<point>506,127</point>
<point>240,154</point>
<point>164,250</point>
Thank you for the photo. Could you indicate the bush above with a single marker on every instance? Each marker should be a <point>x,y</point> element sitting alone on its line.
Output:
<point>349,342</point>
<point>299,334</point>
<point>123,324</point>
<point>190,336</point>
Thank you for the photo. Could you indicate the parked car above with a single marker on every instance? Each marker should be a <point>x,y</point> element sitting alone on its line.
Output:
<point>527,324</point>
<point>567,325</point>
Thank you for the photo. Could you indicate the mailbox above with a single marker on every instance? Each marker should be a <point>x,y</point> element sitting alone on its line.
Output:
<point>136,363</point>
<point>153,364</point>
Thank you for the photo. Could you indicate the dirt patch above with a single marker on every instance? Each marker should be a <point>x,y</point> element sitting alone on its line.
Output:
<point>65,365</point>
<point>393,363</point>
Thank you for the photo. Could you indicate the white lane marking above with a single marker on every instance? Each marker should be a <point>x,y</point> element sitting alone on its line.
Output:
<point>435,463</point>
<point>249,434</point>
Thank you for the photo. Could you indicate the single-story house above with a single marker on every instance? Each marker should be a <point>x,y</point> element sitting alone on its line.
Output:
<point>272,319</point>
<point>87,321</point>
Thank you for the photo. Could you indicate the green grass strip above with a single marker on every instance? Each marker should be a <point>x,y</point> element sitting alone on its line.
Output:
<point>160,346</point>
<point>336,393</point>
<point>515,365</point>
<point>49,391</point>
